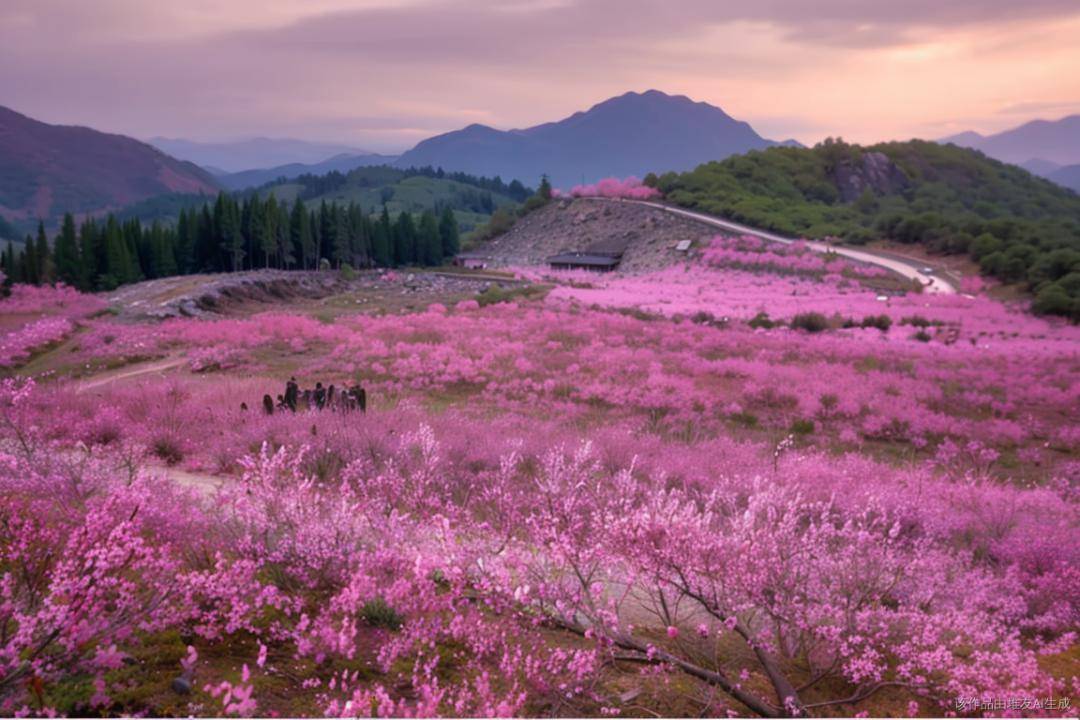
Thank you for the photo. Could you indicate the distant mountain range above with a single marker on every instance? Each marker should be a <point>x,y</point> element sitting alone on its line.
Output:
<point>342,163</point>
<point>46,170</point>
<point>631,134</point>
<point>231,157</point>
<point>1048,148</point>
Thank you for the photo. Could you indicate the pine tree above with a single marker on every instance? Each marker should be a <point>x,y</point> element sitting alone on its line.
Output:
<point>404,240</point>
<point>283,237</point>
<point>449,234</point>
<point>341,250</point>
<point>383,241</point>
<point>184,249</point>
<point>429,242</point>
<point>117,262</point>
<point>67,252</point>
<point>45,266</point>
<point>268,233</point>
<point>29,263</point>
<point>90,255</point>
<point>544,190</point>
<point>227,220</point>
<point>10,265</point>
<point>300,233</point>
<point>206,245</point>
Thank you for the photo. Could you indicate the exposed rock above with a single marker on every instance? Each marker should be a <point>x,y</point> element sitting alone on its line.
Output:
<point>645,236</point>
<point>873,171</point>
<point>181,685</point>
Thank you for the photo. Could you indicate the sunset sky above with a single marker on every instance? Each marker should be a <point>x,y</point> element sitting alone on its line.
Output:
<point>382,75</point>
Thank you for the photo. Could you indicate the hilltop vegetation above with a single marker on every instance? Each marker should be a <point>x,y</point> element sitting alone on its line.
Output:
<point>1019,228</point>
<point>473,199</point>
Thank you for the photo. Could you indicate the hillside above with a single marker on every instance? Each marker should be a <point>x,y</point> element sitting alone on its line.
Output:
<point>626,135</point>
<point>1021,229</point>
<point>645,236</point>
<point>472,199</point>
<point>256,153</point>
<point>342,163</point>
<point>1067,176</point>
<point>46,170</point>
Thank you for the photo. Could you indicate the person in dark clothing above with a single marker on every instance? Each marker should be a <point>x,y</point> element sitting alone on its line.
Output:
<point>320,396</point>
<point>281,403</point>
<point>361,398</point>
<point>330,395</point>
<point>268,405</point>
<point>243,407</point>
<point>292,393</point>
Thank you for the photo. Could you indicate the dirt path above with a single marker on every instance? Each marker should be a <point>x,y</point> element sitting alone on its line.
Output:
<point>129,372</point>
<point>202,483</point>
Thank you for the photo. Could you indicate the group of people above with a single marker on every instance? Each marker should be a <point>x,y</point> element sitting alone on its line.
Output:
<point>348,399</point>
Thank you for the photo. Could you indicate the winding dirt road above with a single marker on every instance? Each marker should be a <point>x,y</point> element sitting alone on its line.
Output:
<point>912,271</point>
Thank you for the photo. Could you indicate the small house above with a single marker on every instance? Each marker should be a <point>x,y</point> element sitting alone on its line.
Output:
<point>584,261</point>
<point>472,260</point>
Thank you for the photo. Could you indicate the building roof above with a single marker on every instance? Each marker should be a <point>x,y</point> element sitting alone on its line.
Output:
<point>580,258</point>
<point>473,255</point>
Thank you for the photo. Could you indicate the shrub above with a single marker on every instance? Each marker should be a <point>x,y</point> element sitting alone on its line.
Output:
<point>761,320</point>
<point>378,613</point>
<point>1052,300</point>
<point>810,322</point>
<point>881,322</point>
<point>167,449</point>
<point>802,427</point>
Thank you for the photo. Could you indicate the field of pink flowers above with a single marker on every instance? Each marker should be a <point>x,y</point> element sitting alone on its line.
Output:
<point>635,496</point>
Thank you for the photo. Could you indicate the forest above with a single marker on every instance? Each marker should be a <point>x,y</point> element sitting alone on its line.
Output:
<point>230,234</point>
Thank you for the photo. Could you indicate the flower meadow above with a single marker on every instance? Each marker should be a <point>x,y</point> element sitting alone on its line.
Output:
<point>655,494</point>
<point>630,188</point>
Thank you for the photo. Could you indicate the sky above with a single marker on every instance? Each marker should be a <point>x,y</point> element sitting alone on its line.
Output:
<point>382,75</point>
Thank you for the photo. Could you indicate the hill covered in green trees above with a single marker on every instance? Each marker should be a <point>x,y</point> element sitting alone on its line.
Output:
<point>472,199</point>
<point>1018,227</point>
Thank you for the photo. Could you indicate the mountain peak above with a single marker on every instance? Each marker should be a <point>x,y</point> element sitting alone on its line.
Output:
<point>1053,141</point>
<point>629,134</point>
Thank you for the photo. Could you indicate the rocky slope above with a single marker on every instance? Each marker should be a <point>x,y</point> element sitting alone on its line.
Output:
<point>646,236</point>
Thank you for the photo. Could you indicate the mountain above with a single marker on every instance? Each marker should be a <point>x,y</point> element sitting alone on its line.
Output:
<point>339,163</point>
<point>968,139</point>
<point>260,152</point>
<point>1054,141</point>
<point>1040,167</point>
<point>632,134</point>
<point>1068,176</point>
<point>46,170</point>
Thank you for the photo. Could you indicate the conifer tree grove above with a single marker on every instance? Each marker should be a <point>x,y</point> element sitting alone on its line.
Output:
<point>229,234</point>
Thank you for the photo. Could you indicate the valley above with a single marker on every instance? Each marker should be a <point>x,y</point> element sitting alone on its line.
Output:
<point>399,373</point>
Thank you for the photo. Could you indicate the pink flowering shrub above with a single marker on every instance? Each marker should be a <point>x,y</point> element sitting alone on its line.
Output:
<point>754,254</point>
<point>56,299</point>
<point>630,188</point>
<point>651,472</point>
<point>18,346</point>
<point>33,317</point>
<point>444,544</point>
